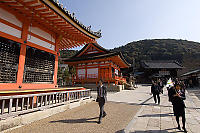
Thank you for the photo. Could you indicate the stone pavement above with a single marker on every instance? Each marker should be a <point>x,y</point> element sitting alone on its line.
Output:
<point>127,111</point>
<point>159,118</point>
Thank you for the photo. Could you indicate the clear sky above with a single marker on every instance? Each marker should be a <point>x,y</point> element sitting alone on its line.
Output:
<point>124,21</point>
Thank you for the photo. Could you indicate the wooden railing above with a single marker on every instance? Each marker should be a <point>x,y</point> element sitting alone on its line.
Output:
<point>20,104</point>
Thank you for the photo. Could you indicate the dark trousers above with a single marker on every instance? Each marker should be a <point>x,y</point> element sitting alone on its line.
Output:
<point>156,96</point>
<point>101,106</point>
<point>183,120</point>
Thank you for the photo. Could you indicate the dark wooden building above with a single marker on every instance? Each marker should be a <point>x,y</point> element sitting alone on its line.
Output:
<point>158,69</point>
<point>191,78</point>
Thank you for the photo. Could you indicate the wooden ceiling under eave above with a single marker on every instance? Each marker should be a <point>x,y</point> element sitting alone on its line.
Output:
<point>44,13</point>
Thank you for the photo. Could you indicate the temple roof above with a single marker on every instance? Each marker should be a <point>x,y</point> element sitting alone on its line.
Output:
<point>81,56</point>
<point>94,44</point>
<point>72,16</point>
<point>160,64</point>
<point>52,16</point>
<point>197,71</point>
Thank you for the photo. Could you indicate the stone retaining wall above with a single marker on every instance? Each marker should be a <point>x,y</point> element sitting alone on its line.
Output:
<point>24,119</point>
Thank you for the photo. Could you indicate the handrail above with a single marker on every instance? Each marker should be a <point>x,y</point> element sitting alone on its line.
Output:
<point>20,104</point>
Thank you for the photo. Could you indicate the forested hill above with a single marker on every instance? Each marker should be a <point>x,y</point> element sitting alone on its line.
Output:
<point>186,52</point>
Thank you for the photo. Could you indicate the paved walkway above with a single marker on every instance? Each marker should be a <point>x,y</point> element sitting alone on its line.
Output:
<point>159,118</point>
<point>127,111</point>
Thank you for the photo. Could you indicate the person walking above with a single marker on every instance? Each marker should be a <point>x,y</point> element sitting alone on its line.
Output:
<point>177,95</point>
<point>160,84</point>
<point>101,99</point>
<point>155,90</point>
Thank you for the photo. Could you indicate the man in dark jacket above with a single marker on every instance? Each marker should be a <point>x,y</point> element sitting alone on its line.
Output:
<point>101,98</point>
<point>155,90</point>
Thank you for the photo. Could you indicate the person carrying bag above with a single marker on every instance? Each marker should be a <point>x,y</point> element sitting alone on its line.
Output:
<point>101,99</point>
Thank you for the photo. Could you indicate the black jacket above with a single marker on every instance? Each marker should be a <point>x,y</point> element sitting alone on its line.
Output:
<point>176,100</point>
<point>155,89</point>
<point>104,91</point>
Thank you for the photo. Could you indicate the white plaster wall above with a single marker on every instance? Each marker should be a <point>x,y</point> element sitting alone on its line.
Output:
<point>42,33</point>
<point>9,17</point>
<point>10,30</point>
<point>40,42</point>
<point>81,73</point>
<point>92,71</point>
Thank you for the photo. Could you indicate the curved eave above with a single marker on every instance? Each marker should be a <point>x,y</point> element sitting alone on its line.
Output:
<point>120,62</point>
<point>45,15</point>
<point>71,19</point>
<point>117,58</point>
<point>79,53</point>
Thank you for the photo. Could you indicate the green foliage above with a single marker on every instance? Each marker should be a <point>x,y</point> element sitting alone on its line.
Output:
<point>67,53</point>
<point>162,49</point>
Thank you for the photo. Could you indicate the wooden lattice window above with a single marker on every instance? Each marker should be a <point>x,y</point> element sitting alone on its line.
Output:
<point>9,59</point>
<point>39,66</point>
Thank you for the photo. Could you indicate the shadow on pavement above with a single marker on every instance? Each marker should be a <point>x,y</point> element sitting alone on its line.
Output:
<point>151,131</point>
<point>149,104</point>
<point>156,131</point>
<point>120,131</point>
<point>83,120</point>
<point>157,115</point>
<point>145,84</point>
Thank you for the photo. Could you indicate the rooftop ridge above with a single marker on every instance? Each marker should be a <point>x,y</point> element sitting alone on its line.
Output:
<point>72,16</point>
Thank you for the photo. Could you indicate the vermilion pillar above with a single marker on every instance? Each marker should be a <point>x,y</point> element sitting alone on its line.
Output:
<point>58,39</point>
<point>22,56</point>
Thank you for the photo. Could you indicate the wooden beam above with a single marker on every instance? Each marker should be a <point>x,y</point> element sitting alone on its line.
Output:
<point>31,2</point>
<point>67,43</point>
<point>12,3</point>
<point>43,10</point>
<point>64,44</point>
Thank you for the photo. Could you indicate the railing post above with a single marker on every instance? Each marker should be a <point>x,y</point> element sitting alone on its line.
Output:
<point>27,104</point>
<point>64,97</point>
<point>49,99</point>
<point>67,96</point>
<point>56,98</point>
<point>16,108</point>
<point>41,101</point>
<point>45,103</point>
<point>2,107</point>
<point>37,97</point>
<point>32,102</point>
<point>22,104</point>
<point>53,99</point>
<point>10,106</point>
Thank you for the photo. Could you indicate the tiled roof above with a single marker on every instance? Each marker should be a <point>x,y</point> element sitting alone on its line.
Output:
<point>94,56</point>
<point>160,64</point>
<point>91,56</point>
<point>95,44</point>
<point>72,16</point>
<point>191,72</point>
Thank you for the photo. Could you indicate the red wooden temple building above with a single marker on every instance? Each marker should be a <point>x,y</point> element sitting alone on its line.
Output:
<point>94,62</point>
<point>31,34</point>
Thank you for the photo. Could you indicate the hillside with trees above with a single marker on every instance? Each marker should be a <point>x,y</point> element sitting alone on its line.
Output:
<point>186,52</point>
